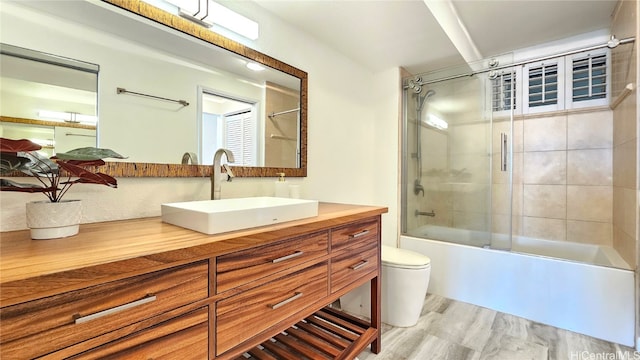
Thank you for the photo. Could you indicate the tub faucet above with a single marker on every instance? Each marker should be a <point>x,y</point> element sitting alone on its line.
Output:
<point>425,213</point>
<point>216,173</point>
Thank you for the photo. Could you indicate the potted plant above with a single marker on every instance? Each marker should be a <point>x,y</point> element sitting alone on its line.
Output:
<point>56,217</point>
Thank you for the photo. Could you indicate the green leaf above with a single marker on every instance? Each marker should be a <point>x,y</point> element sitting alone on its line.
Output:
<point>88,154</point>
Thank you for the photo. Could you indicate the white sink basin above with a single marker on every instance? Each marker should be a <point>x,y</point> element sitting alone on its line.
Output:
<point>218,216</point>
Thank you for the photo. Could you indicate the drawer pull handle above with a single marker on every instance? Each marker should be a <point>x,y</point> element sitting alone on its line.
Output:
<point>99,314</point>
<point>358,234</point>
<point>286,301</point>
<point>287,257</point>
<point>359,265</point>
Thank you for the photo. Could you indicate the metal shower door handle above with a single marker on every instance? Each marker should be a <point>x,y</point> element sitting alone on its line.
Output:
<point>503,152</point>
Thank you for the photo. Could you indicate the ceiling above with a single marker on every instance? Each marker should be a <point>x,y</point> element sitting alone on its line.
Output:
<point>380,34</point>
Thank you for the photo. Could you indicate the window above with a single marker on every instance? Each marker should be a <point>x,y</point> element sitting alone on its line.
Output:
<point>240,137</point>
<point>231,123</point>
<point>544,86</point>
<point>573,81</point>
<point>589,79</point>
<point>503,88</point>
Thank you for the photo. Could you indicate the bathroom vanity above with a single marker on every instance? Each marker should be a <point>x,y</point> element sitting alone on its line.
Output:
<point>144,288</point>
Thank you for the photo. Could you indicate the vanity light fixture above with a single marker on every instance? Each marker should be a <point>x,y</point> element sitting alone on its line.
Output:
<point>208,13</point>
<point>70,117</point>
<point>254,66</point>
<point>436,122</point>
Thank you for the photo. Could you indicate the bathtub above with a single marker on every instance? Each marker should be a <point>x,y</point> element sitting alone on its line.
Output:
<point>532,281</point>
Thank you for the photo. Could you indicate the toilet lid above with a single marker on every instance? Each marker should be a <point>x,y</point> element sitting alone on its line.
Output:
<point>403,258</point>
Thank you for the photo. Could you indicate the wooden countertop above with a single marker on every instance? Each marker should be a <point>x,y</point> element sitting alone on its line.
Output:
<point>111,250</point>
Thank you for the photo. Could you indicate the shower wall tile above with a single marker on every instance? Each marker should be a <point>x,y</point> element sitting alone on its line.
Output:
<point>547,201</point>
<point>469,139</point>
<point>545,167</point>
<point>625,212</point>
<point>589,203</point>
<point>625,121</point>
<point>437,197</point>
<point>500,199</point>
<point>470,220</point>
<point>625,245</point>
<point>444,219</point>
<point>625,163</point>
<point>501,224</point>
<point>544,228</point>
<point>471,197</point>
<point>435,149</point>
<point>590,167</point>
<point>515,164</point>
<point>504,126</point>
<point>592,130</point>
<point>590,232</point>
<point>518,136</point>
<point>517,199</point>
<point>544,134</point>
<point>468,168</point>
<point>504,203</point>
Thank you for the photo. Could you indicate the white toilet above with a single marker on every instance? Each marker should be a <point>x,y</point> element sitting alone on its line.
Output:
<point>405,279</point>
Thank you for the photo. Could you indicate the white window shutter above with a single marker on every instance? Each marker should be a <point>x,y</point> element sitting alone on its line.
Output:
<point>544,86</point>
<point>590,79</point>
<point>241,137</point>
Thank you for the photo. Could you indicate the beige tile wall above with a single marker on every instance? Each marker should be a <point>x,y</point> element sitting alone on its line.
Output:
<point>625,138</point>
<point>562,177</point>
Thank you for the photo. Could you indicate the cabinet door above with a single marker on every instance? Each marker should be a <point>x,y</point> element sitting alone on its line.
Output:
<point>42,326</point>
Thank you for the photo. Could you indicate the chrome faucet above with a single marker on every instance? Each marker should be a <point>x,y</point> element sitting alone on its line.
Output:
<point>189,157</point>
<point>216,173</point>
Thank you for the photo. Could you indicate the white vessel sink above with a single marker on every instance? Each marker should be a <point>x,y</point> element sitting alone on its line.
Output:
<point>218,216</point>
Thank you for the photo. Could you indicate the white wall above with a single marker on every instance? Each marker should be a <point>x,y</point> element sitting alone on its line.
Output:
<point>352,143</point>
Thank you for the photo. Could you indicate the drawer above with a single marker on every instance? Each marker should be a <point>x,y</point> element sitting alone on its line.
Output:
<point>183,338</point>
<point>353,261</point>
<point>242,267</point>
<point>242,316</point>
<point>362,231</point>
<point>68,318</point>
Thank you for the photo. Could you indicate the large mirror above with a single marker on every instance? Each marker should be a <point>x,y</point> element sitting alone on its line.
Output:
<point>167,95</point>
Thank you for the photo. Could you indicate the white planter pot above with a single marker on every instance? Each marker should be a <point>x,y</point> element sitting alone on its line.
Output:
<point>49,220</point>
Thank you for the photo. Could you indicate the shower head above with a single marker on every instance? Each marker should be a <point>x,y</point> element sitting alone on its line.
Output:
<point>429,94</point>
<point>423,98</point>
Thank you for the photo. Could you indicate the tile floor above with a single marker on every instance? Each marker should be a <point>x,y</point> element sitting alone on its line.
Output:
<point>453,330</point>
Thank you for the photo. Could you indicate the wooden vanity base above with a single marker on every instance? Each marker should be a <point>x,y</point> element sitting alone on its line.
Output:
<point>327,334</point>
<point>145,289</point>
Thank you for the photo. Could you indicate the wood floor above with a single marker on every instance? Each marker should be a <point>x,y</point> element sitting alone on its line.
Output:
<point>453,330</point>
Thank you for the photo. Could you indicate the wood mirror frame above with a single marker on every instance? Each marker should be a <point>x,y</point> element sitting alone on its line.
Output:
<point>124,169</point>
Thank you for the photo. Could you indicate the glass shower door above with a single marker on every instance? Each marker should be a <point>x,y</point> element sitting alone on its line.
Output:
<point>447,167</point>
<point>456,160</point>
